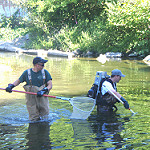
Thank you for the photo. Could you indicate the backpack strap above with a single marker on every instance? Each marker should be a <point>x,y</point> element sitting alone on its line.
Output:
<point>29,76</point>
<point>99,99</point>
<point>30,79</point>
<point>113,84</point>
<point>43,74</point>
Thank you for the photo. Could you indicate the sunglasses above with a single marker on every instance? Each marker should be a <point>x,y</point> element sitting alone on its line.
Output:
<point>41,65</point>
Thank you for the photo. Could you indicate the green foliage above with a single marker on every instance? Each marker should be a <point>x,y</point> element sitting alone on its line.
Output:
<point>13,22</point>
<point>13,27</point>
<point>7,34</point>
<point>133,18</point>
<point>63,22</point>
<point>93,25</point>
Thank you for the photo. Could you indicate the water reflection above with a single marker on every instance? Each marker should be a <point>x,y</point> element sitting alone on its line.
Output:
<point>11,137</point>
<point>74,78</point>
<point>108,130</point>
<point>105,131</point>
<point>38,136</point>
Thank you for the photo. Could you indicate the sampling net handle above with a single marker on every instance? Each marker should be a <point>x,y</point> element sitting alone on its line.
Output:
<point>118,98</point>
<point>79,116</point>
<point>32,93</point>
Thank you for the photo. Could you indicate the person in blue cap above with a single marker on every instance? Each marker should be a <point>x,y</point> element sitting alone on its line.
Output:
<point>37,80</point>
<point>108,89</point>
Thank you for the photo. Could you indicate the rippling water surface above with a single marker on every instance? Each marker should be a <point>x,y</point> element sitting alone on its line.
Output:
<point>71,78</point>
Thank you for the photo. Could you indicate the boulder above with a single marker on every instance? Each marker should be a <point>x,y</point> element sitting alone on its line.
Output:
<point>147,58</point>
<point>113,55</point>
<point>10,47</point>
<point>57,53</point>
<point>89,54</point>
<point>20,41</point>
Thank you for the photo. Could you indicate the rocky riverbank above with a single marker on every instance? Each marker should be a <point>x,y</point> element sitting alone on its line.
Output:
<point>17,44</point>
<point>11,47</point>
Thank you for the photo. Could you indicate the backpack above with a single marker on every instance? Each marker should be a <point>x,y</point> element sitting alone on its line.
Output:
<point>95,90</point>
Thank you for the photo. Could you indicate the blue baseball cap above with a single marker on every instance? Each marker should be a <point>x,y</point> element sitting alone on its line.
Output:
<point>117,72</point>
<point>39,60</point>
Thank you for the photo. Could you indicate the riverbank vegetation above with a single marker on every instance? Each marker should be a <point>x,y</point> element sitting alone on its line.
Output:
<point>88,25</point>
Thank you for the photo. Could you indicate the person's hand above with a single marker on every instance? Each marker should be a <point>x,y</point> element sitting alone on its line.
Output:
<point>90,93</point>
<point>42,92</point>
<point>126,105</point>
<point>9,88</point>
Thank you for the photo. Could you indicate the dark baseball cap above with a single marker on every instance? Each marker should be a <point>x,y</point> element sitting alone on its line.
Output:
<point>39,60</point>
<point>117,72</point>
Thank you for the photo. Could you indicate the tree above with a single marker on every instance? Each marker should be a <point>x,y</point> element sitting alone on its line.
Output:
<point>132,21</point>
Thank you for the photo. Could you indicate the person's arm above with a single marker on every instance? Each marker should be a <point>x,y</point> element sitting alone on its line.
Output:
<point>49,85</point>
<point>110,88</point>
<point>107,87</point>
<point>46,89</point>
<point>115,92</point>
<point>11,86</point>
<point>16,83</point>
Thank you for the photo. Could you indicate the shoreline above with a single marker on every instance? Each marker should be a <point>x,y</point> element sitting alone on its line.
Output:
<point>11,47</point>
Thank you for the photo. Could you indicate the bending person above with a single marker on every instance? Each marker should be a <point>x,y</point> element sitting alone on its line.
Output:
<point>37,80</point>
<point>106,101</point>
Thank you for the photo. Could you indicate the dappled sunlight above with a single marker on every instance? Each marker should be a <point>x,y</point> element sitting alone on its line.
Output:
<point>4,68</point>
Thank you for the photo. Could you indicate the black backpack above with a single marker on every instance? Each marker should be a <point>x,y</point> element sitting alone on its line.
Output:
<point>95,93</point>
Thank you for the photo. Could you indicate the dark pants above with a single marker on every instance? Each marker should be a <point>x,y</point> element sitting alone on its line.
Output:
<point>106,103</point>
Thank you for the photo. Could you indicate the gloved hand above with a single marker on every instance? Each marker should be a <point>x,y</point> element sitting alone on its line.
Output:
<point>90,93</point>
<point>9,88</point>
<point>126,105</point>
<point>42,92</point>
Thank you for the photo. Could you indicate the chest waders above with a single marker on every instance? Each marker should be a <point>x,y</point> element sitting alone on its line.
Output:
<point>38,107</point>
<point>106,102</point>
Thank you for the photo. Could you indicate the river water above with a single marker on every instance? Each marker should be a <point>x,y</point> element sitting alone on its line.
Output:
<point>71,78</point>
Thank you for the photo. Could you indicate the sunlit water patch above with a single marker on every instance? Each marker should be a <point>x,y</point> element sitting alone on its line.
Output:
<point>17,114</point>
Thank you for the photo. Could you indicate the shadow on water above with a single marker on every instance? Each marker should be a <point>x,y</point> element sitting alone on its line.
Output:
<point>18,132</point>
<point>32,136</point>
<point>38,136</point>
<point>104,129</point>
<point>108,128</point>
